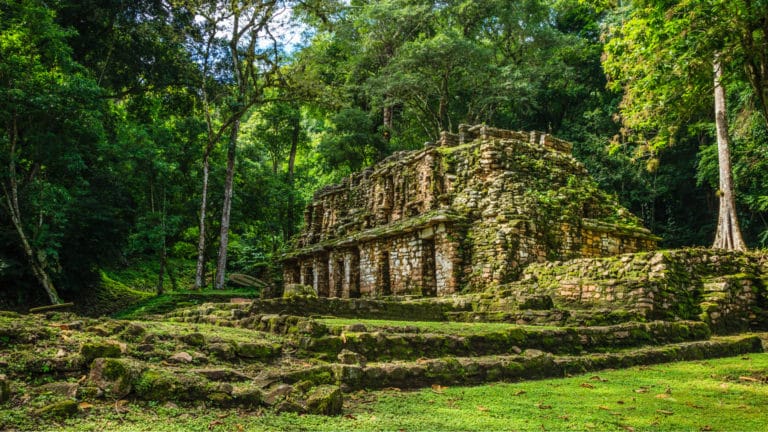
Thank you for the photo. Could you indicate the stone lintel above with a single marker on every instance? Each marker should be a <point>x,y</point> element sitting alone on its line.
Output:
<point>423,222</point>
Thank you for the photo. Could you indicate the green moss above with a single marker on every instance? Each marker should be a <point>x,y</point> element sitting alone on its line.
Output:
<point>93,350</point>
<point>317,375</point>
<point>160,385</point>
<point>58,410</point>
<point>258,350</point>
<point>325,400</point>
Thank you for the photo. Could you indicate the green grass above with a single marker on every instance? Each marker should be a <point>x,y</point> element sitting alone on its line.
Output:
<point>686,396</point>
<point>175,299</point>
<point>440,327</point>
<point>143,272</point>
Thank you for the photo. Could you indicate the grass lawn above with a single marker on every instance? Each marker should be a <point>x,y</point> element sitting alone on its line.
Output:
<point>440,327</point>
<point>720,395</point>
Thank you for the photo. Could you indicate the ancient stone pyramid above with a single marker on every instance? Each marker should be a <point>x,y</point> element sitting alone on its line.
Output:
<point>465,213</point>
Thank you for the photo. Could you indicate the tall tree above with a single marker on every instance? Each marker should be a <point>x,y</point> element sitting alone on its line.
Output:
<point>50,115</point>
<point>666,56</point>
<point>728,234</point>
<point>240,55</point>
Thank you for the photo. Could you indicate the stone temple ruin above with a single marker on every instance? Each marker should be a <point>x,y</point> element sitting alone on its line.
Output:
<point>463,214</point>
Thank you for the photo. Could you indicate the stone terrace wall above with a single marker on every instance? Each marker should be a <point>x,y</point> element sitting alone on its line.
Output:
<point>725,289</point>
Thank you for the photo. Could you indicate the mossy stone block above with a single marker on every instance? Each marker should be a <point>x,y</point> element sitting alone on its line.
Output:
<point>257,350</point>
<point>222,350</point>
<point>194,339</point>
<point>247,397</point>
<point>325,400</point>
<point>298,290</point>
<point>94,350</point>
<point>57,410</point>
<point>160,385</point>
<point>115,376</point>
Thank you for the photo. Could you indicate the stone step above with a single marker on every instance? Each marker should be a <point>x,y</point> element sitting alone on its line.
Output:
<point>531,364</point>
<point>117,378</point>
<point>393,345</point>
<point>551,317</point>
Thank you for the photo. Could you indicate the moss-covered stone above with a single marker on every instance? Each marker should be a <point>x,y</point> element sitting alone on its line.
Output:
<point>93,350</point>
<point>194,339</point>
<point>247,396</point>
<point>133,332</point>
<point>115,377</point>
<point>298,290</point>
<point>58,410</point>
<point>222,350</point>
<point>325,400</point>
<point>257,350</point>
<point>160,385</point>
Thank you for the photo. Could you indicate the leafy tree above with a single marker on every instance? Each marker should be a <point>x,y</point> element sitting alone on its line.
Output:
<point>51,113</point>
<point>246,69</point>
<point>352,142</point>
<point>666,55</point>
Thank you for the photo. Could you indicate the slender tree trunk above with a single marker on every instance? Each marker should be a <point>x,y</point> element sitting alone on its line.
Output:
<point>163,251</point>
<point>12,200</point>
<point>221,265</point>
<point>728,235</point>
<point>161,273</point>
<point>294,148</point>
<point>171,276</point>
<point>200,270</point>
<point>388,122</point>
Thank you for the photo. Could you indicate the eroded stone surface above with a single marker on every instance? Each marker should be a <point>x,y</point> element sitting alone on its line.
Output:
<point>468,212</point>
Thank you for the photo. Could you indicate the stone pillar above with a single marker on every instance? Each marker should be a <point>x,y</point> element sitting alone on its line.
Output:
<point>368,269</point>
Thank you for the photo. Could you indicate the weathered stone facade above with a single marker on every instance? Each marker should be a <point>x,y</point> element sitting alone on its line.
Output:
<point>465,213</point>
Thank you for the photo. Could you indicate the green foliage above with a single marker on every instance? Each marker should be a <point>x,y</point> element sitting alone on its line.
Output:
<point>352,143</point>
<point>111,121</point>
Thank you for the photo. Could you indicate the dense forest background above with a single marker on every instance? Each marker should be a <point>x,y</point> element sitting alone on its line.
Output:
<point>160,133</point>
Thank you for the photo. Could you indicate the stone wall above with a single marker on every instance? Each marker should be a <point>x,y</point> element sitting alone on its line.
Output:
<point>725,289</point>
<point>468,212</point>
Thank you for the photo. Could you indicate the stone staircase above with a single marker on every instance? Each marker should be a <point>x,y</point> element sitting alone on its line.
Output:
<point>380,354</point>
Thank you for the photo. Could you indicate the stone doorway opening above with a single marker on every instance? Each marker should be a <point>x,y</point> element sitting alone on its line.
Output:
<point>428,268</point>
<point>309,277</point>
<point>338,279</point>
<point>354,274</point>
<point>385,283</point>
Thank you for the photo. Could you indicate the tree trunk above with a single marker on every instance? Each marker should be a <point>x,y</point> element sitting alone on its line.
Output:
<point>296,126</point>
<point>221,265</point>
<point>163,248</point>
<point>12,200</point>
<point>388,122</point>
<point>161,273</point>
<point>728,235</point>
<point>200,270</point>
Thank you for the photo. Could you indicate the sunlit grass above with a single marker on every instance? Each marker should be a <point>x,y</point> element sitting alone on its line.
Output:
<point>446,327</point>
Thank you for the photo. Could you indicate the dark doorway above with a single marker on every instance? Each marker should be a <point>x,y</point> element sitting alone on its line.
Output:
<point>354,274</point>
<point>385,286</point>
<point>428,268</point>
<point>309,276</point>
<point>338,278</point>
